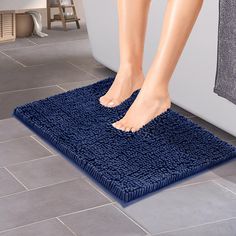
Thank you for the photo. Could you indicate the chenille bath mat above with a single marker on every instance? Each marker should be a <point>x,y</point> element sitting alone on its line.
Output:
<point>129,165</point>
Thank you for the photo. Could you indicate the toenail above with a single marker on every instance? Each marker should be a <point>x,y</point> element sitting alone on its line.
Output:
<point>122,128</point>
<point>111,103</point>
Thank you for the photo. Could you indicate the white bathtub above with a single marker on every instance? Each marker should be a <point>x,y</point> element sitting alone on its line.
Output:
<point>193,81</point>
<point>22,4</point>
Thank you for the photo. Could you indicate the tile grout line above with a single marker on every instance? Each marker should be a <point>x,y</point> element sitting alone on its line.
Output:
<point>61,88</point>
<point>88,209</point>
<point>55,217</point>
<point>53,43</point>
<point>66,226</point>
<point>16,178</point>
<point>82,69</point>
<point>44,186</point>
<point>97,189</point>
<point>28,89</point>
<point>194,226</point>
<point>56,183</point>
<point>224,187</point>
<point>23,226</point>
<point>16,48</point>
<point>13,59</point>
<point>86,180</point>
<point>20,47</point>
<point>33,160</point>
<point>134,221</point>
<point>42,144</point>
<point>68,180</point>
<point>13,139</point>
<point>35,44</point>
<point>12,194</point>
<point>41,45</point>
<point>187,185</point>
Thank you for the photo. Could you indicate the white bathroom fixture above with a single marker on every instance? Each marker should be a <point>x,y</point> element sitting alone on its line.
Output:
<point>16,5</point>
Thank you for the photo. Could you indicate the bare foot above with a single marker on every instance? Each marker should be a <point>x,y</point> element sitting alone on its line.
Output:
<point>127,81</point>
<point>150,102</point>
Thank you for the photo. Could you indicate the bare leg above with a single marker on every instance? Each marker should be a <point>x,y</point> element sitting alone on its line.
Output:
<point>153,98</point>
<point>132,27</point>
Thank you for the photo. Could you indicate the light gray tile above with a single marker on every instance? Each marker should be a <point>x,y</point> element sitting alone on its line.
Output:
<point>223,228</point>
<point>7,64</point>
<point>74,85</point>
<point>78,50</point>
<point>10,100</point>
<point>48,146</point>
<point>198,178</point>
<point>183,207</point>
<point>47,202</point>
<point>8,183</point>
<point>40,76</point>
<point>100,188</point>
<point>19,43</point>
<point>181,111</point>
<point>57,34</point>
<point>19,150</point>
<point>215,130</point>
<point>11,128</point>
<point>226,169</point>
<point>50,227</point>
<point>45,172</point>
<point>97,70</point>
<point>229,182</point>
<point>90,60</point>
<point>105,221</point>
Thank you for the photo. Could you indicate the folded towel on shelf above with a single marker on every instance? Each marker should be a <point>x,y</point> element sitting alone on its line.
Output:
<point>38,26</point>
<point>225,82</point>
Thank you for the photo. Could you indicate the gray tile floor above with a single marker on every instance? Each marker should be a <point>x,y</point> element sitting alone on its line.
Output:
<point>42,193</point>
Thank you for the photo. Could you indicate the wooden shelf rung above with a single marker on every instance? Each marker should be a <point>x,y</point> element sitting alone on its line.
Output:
<point>70,20</point>
<point>63,6</point>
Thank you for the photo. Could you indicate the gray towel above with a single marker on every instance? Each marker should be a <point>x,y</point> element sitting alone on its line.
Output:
<point>225,82</point>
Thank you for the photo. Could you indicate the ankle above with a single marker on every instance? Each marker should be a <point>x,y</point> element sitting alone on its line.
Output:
<point>131,69</point>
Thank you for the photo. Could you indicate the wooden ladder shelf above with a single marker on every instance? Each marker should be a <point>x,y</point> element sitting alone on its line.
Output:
<point>62,13</point>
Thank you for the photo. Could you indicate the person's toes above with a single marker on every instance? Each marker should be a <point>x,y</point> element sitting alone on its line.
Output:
<point>104,100</point>
<point>111,103</point>
<point>108,102</point>
<point>117,125</point>
<point>127,129</point>
<point>133,129</point>
<point>122,127</point>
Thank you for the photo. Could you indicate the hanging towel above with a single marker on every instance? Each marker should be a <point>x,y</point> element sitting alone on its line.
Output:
<point>225,81</point>
<point>38,26</point>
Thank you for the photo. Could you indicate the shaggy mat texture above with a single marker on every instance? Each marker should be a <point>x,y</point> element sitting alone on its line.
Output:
<point>130,165</point>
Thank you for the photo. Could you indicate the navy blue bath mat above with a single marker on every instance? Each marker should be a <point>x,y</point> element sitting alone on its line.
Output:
<point>129,165</point>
